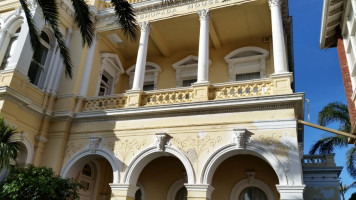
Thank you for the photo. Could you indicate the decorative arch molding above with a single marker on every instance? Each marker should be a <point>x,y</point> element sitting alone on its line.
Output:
<point>139,162</point>
<point>151,74</point>
<point>230,150</point>
<point>246,60</point>
<point>142,188</point>
<point>78,160</point>
<point>22,138</point>
<point>251,182</point>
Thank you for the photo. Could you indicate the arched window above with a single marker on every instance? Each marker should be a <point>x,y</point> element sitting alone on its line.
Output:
<point>87,180</point>
<point>36,68</point>
<point>247,63</point>
<point>10,48</point>
<point>151,76</point>
<point>252,193</point>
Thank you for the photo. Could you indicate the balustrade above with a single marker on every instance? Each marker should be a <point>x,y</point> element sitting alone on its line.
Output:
<point>167,97</point>
<point>106,102</point>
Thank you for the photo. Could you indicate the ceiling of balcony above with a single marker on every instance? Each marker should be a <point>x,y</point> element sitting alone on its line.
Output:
<point>231,25</point>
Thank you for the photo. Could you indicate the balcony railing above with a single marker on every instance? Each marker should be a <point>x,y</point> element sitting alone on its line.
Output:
<point>325,160</point>
<point>105,102</point>
<point>179,95</point>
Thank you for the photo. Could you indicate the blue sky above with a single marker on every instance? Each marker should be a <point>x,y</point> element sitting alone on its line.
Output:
<point>317,71</point>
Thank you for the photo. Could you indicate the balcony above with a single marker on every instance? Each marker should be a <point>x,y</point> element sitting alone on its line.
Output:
<point>325,160</point>
<point>220,91</point>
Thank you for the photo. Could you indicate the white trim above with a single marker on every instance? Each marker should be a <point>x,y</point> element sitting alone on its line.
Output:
<point>151,75</point>
<point>70,169</point>
<point>175,187</point>
<point>139,162</point>
<point>246,64</point>
<point>142,188</point>
<point>245,183</point>
<point>112,65</point>
<point>230,150</point>
<point>22,138</point>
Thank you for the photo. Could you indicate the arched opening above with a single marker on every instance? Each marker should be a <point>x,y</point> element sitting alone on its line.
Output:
<point>10,50</point>
<point>94,173</point>
<point>245,177</point>
<point>158,177</point>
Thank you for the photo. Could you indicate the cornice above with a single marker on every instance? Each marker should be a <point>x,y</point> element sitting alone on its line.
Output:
<point>274,102</point>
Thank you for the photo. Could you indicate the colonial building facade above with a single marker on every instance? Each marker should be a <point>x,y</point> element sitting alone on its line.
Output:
<point>202,106</point>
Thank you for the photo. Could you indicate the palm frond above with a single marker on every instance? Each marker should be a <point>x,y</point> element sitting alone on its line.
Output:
<point>33,31</point>
<point>126,18</point>
<point>9,149</point>
<point>335,112</point>
<point>326,145</point>
<point>352,185</point>
<point>84,21</point>
<point>50,13</point>
<point>351,162</point>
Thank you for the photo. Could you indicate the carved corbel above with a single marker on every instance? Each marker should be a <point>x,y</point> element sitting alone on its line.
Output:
<point>241,137</point>
<point>162,140</point>
<point>95,143</point>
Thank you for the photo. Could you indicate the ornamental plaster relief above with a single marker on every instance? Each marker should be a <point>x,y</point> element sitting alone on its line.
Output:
<point>72,148</point>
<point>125,149</point>
<point>197,146</point>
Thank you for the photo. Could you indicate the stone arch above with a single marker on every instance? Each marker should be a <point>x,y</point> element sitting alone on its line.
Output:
<point>77,161</point>
<point>175,187</point>
<point>139,162</point>
<point>27,144</point>
<point>230,150</point>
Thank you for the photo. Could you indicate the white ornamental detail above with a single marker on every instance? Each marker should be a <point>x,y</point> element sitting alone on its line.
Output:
<point>95,143</point>
<point>161,141</point>
<point>241,137</point>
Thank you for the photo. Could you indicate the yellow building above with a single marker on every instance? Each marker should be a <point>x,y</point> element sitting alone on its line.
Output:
<point>200,107</point>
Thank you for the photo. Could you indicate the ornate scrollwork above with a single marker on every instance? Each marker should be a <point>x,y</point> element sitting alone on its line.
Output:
<point>125,148</point>
<point>145,26</point>
<point>204,14</point>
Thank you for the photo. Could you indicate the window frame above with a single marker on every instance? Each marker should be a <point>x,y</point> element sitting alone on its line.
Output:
<point>151,75</point>
<point>246,64</point>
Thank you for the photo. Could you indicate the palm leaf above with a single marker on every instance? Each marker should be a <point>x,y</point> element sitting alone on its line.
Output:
<point>84,21</point>
<point>9,149</point>
<point>50,13</point>
<point>33,31</point>
<point>351,162</point>
<point>335,112</point>
<point>326,145</point>
<point>126,18</point>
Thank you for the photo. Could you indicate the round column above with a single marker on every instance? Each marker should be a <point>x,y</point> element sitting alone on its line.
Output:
<point>141,57</point>
<point>203,57</point>
<point>279,48</point>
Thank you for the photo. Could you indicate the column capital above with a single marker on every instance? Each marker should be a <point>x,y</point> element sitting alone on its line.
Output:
<point>289,192</point>
<point>204,14</point>
<point>145,26</point>
<point>124,189</point>
<point>199,190</point>
<point>273,3</point>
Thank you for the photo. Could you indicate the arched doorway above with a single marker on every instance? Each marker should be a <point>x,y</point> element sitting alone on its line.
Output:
<point>159,176</point>
<point>94,173</point>
<point>245,177</point>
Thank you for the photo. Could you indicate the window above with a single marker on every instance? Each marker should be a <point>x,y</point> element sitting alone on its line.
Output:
<point>252,193</point>
<point>186,71</point>
<point>111,69</point>
<point>247,63</point>
<point>10,49</point>
<point>151,76</point>
<point>36,68</point>
<point>86,179</point>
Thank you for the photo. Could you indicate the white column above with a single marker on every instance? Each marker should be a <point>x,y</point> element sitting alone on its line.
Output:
<point>203,57</point>
<point>279,48</point>
<point>141,57</point>
<point>88,67</point>
<point>291,192</point>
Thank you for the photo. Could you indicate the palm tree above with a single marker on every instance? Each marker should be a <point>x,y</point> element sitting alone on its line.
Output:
<point>9,149</point>
<point>336,112</point>
<point>83,19</point>
<point>344,188</point>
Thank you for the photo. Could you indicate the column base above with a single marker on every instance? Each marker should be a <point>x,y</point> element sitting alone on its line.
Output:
<point>201,91</point>
<point>282,83</point>
<point>133,98</point>
<point>289,192</point>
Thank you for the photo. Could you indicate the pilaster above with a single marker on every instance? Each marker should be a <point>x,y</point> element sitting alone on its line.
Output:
<point>201,91</point>
<point>199,191</point>
<point>282,83</point>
